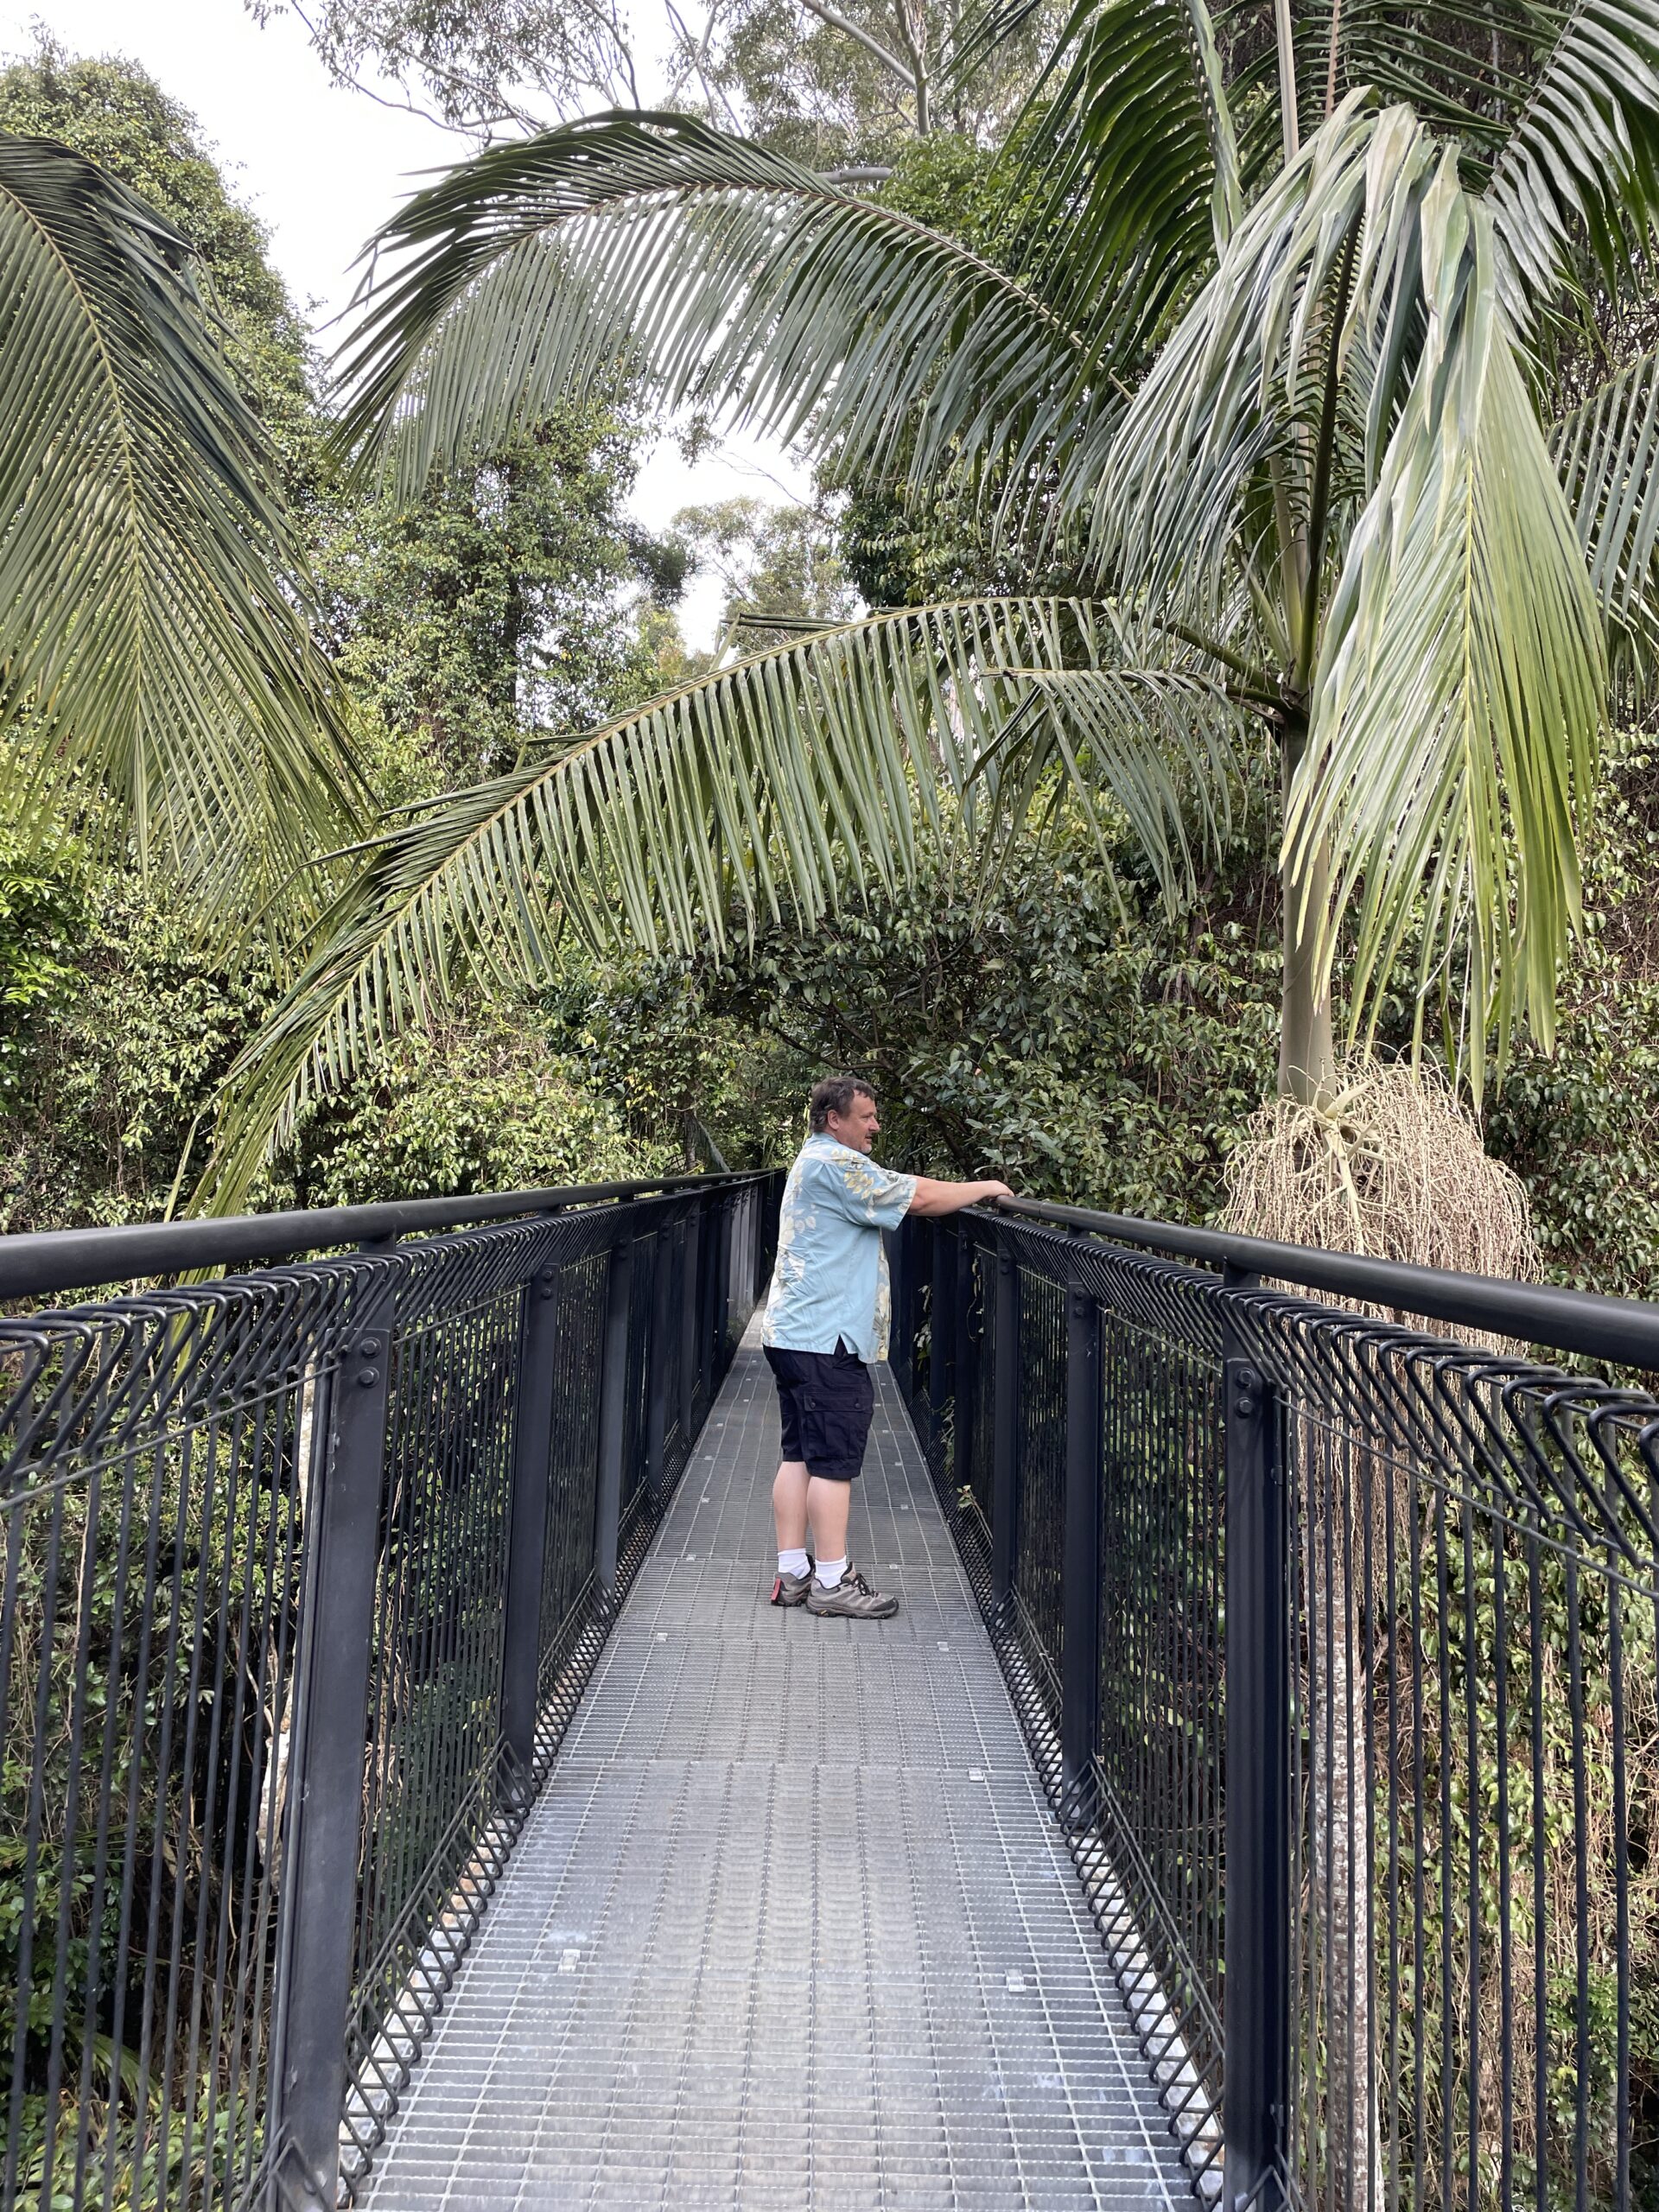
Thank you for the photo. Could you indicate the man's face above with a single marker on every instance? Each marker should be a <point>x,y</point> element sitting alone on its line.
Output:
<point>859,1126</point>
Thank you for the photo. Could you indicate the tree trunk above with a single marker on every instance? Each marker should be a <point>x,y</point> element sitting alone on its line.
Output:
<point>1306,1039</point>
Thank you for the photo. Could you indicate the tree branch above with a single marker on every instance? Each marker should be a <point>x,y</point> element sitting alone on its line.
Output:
<point>837,22</point>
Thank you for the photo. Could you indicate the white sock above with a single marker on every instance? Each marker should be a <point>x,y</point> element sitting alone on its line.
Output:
<point>793,1562</point>
<point>830,1572</point>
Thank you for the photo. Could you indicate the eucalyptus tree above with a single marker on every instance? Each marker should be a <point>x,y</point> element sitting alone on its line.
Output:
<point>160,691</point>
<point>1265,371</point>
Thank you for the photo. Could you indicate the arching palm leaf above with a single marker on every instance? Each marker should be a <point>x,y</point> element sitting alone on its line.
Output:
<point>782,779</point>
<point>155,673</point>
<point>1606,452</point>
<point>1129,181</point>
<point>1464,614</point>
<point>1581,160</point>
<point>722,273</point>
<point>1226,392</point>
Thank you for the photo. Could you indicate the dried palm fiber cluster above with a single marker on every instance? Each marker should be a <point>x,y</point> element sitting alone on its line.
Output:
<point>1391,1165</point>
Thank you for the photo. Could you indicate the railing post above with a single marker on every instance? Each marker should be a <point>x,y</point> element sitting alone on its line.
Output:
<point>658,1247</point>
<point>613,1409</point>
<point>690,1278</point>
<point>521,1630</point>
<point>1080,1567</point>
<point>941,1334</point>
<point>1257,1976</point>
<point>314,1985</point>
<point>963,1379</point>
<point>1005,1432</point>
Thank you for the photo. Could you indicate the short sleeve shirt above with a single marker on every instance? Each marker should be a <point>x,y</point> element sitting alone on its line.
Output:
<point>829,1282</point>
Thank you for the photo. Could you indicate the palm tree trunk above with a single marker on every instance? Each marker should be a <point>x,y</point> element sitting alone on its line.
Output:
<point>1306,1039</point>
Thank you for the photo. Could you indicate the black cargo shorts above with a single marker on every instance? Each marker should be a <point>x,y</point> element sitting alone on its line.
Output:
<point>825,1399</point>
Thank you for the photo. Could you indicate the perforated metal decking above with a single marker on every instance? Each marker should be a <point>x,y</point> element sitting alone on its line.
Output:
<point>791,1926</point>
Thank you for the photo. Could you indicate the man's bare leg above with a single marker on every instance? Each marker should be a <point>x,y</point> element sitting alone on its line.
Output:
<point>829,1506</point>
<point>789,1504</point>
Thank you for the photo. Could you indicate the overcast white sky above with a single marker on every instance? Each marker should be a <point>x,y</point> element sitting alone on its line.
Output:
<point>323,167</point>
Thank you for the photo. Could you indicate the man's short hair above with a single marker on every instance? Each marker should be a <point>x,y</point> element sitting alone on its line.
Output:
<point>834,1095</point>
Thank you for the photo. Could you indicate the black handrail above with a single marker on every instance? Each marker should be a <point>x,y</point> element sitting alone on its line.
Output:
<point>39,1264</point>
<point>1625,1330</point>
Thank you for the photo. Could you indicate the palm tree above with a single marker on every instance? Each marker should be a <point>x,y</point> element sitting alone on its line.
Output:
<point>157,684</point>
<point>1271,369</point>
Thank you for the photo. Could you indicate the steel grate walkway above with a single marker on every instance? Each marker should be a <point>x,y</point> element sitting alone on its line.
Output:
<point>791,1928</point>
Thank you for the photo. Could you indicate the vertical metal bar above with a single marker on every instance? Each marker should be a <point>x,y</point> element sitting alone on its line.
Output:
<point>691,1278</point>
<point>613,1409</point>
<point>521,1635</point>
<point>1256,1978</point>
<point>662,1320</point>
<point>941,1335</point>
<point>313,1989</point>
<point>1080,1566</point>
<point>1005,1431</point>
<point>964,1379</point>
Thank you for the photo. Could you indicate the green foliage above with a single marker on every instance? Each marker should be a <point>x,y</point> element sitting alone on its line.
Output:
<point>478,1103</point>
<point>770,560</point>
<point>158,681</point>
<point>115,1055</point>
<point>1581,1128</point>
<point>496,602</point>
<point>1085,1047</point>
<point>503,596</point>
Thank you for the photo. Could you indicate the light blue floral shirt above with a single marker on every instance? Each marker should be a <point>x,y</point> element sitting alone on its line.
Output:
<point>830,1279</point>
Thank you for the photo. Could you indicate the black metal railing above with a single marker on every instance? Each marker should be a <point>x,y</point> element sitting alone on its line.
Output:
<point>1335,1638</point>
<point>303,1572</point>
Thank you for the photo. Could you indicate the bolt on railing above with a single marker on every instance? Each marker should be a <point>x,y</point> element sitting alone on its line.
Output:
<point>303,1572</point>
<point>1335,1640</point>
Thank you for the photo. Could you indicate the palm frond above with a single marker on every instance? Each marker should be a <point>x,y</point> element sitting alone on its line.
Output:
<point>1606,451</point>
<point>1129,182</point>
<point>1455,722</point>
<point>156,676</point>
<point>1466,70</point>
<point>1581,160</point>
<point>1227,389</point>
<point>723,275</point>
<point>779,782</point>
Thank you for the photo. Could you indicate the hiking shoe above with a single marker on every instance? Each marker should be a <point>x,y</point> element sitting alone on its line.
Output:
<point>791,1589</point>
<point>852,1600</point>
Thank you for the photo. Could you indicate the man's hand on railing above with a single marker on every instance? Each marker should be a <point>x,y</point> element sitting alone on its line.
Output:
<point>932,1198</point>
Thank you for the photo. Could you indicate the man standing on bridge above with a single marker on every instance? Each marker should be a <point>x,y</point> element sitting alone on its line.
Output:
<point>826,1326</point>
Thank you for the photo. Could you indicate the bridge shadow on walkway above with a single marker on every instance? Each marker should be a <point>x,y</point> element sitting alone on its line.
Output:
<point>791,1928</point>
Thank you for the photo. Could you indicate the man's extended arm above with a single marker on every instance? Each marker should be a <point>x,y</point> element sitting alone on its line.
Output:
<point>932,1197</point>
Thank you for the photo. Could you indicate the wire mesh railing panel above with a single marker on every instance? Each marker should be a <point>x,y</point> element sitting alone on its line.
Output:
<point>1042,1467</point>
<point>572,1462</point>
<point>917,1284</point>
<point>156,1456</point>
<point>435,1669</point>
<point>271,1689</point>
<point>981,1324</point>
<point>1473,1560</point>
<point>1161,1700</point>
<point>677,1440</point>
